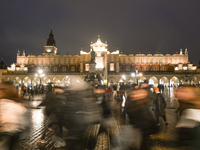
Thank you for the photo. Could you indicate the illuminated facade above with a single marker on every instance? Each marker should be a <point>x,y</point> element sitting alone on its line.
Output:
<point>110,64</point>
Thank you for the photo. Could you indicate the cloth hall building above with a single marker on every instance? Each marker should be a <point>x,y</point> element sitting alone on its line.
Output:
<point>113,66</point>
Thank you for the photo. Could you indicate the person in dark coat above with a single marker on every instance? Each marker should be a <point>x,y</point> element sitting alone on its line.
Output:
<point>137,108</point>
<point>47,102</point>
<point>159,106</point>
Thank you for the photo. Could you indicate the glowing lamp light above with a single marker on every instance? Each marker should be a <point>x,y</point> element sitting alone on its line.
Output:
<point>40,71</point>
<point>133,74</point>
<point>124,77</point>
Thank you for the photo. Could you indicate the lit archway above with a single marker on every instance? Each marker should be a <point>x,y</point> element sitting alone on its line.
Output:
<point>36,81</point>
<point>164,81</point>
<point>195,80</point>
<point>56,80</point>
<point>45,80</point>
<point>27,81</point>
<point>66,80</point>
<point>17,81</point>
<point>153,81</point>
<point>141,79</point>
<point>174,81</point>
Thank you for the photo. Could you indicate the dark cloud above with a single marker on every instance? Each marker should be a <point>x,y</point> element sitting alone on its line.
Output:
<point>133,25</point>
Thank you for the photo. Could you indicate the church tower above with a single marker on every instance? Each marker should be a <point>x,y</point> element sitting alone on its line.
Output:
<point>50,47</point>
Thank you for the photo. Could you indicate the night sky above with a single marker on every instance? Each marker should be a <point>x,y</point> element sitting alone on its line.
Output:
<point>133,25</point>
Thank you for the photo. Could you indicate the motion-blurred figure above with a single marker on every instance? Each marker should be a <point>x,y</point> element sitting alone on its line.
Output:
<point>189,122</point>
<point>114,91</point>
<point>159,104</point>
<point>13,117</point>
<point>137,108</point>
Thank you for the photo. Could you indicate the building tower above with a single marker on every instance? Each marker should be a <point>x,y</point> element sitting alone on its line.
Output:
<point>50,48</point>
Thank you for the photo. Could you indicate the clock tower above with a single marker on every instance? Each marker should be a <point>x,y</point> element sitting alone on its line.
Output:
<point>50,48</point>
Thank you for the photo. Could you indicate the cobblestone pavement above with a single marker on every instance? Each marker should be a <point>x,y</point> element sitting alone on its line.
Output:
<point>166,139</point>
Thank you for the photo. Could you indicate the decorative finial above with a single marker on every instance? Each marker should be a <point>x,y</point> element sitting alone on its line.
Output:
<point>186,52</point>
<point>181,52</point>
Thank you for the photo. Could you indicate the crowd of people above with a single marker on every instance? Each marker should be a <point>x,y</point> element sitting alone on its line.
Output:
<point>75,108</point>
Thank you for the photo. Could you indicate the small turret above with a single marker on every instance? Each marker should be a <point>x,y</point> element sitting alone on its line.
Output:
<point>23,54</point>
<point>186,51</point>
<point>181,52</point>
<point>18,53</point>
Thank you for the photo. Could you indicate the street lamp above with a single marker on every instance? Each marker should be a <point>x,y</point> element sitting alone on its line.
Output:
<point>136,75</point>
<point>40,74</point>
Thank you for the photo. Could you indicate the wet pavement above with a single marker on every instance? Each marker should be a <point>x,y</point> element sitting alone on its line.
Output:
<point>166,139</point>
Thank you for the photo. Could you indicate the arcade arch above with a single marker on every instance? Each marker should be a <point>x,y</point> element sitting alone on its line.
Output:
<point>174,81</point>
<point>45,80</point>
<point>66,80</point>
<point>153,81</point>
<point>56,80</point>
<point>164,81</point>
<point>16,81</point>
<point>141,79</point>
<point>195,80</point>
<point>26,81</point>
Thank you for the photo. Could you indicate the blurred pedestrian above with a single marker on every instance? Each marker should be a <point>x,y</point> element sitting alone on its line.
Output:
<point>189,123</point>
<point>114,91</point>
<point>159,106</point>
<point>137,108</point>
<point>13,117</point>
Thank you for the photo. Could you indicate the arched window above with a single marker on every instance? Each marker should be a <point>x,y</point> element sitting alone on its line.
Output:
<point>64,68</point>
<point>164,68</point>
<point>145,68</point>
<point>155,68</point>
<point>136,68</point>
<point>72,69</point>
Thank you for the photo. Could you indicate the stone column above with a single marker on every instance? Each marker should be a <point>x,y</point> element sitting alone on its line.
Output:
<point>81,67</point>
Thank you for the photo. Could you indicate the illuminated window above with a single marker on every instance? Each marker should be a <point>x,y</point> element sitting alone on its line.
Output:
<point>55,68</point>
<point>86,67</point>
<point>180,67</point>
<point>189,67</point>
<point>164,68</point>
<point>112,68</point>
<point>99,62</point>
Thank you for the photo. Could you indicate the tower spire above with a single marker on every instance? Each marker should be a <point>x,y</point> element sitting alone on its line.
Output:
<point>50,40</point>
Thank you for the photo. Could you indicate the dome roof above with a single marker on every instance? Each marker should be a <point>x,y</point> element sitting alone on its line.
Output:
<point>168,55</point>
